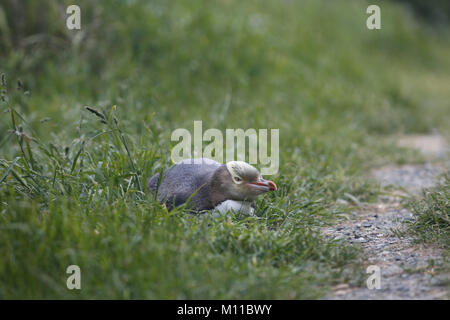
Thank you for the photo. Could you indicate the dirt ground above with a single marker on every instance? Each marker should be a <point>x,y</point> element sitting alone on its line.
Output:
<point>407,269</point>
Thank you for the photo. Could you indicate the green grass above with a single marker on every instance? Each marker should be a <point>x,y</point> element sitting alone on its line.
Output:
<point>72,188</point>
<point>432,224</point>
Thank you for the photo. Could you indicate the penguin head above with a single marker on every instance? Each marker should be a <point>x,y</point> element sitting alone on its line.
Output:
<point>242,181</point>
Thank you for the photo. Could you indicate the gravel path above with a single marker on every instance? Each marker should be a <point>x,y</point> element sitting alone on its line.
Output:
<point>410,178</point>
<point>407,269</point>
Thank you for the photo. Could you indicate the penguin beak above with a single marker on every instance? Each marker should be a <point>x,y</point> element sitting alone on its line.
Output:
<point>264,185</point>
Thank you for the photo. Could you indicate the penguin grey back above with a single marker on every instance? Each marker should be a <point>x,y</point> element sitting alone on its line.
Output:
<point>152,183</point>
<point>182,180</point>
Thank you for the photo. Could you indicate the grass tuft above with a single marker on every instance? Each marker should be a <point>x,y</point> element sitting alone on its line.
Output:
<point>432,224</point>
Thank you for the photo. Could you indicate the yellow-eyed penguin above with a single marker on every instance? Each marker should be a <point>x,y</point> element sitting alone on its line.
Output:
<point>208,185</point>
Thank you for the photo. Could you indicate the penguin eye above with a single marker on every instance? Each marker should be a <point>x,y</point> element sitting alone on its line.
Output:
<point>237,179</point>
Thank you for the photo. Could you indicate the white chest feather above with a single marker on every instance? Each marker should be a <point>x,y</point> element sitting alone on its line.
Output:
<point>234,206</point>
